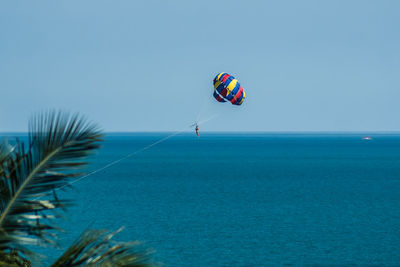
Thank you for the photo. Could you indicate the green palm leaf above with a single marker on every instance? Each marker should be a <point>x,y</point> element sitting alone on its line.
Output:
<point>95,248</point>
<point>58,148</point>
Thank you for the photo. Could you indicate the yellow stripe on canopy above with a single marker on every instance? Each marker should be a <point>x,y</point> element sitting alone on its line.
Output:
<point>231,85</point>
<point>217,83</point>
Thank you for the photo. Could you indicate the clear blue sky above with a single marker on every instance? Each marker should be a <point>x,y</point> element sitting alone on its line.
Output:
<point>148,65</point>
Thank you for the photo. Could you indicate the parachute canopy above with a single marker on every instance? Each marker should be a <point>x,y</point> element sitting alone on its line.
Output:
<point>227,88</point>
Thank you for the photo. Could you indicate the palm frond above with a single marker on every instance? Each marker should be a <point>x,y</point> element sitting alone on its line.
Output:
<point>95,248</point>
<point>5,150</point>
<point>58,148</point>
<point>12,259</point>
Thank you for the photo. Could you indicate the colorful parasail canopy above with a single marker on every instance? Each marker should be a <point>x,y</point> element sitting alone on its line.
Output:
<point>227,88</point>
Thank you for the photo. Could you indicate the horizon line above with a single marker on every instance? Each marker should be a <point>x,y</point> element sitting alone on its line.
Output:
<point>233,132</point>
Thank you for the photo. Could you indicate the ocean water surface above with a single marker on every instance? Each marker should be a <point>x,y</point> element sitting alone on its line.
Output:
<point>246,199</point>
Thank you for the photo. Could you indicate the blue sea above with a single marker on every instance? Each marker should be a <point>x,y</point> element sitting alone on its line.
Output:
<point>246,199</point>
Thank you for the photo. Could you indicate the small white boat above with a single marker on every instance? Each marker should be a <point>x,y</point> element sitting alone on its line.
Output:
<point>368,138</point>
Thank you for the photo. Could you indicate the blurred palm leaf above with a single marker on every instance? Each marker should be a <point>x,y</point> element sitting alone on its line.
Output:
<point>12,259</point>
<point>58,148</point>
<point>95,248</point>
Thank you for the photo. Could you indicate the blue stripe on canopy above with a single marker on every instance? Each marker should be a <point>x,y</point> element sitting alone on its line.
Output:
<point>236,89</point>
<point>220,88</point>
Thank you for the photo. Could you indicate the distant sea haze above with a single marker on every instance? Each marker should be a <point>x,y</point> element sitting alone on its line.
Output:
<point>247,199</point>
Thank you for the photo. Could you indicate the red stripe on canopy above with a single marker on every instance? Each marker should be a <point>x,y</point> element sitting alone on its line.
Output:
<point>218,98</point>
<point>225,77</point>
<point>237,96</point>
